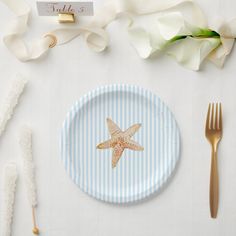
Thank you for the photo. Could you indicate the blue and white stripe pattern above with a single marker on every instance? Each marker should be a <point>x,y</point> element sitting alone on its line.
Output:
<point>138,173</point>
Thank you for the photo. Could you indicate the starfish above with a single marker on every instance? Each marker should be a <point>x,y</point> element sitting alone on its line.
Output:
<point>120,140</point>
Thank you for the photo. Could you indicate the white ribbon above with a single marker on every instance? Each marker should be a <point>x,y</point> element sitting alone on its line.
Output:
<point>146,38</point>
<point>227,31</point>
<point>94,34</point>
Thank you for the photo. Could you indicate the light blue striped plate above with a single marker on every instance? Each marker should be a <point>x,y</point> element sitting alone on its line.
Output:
<point>138,173</point>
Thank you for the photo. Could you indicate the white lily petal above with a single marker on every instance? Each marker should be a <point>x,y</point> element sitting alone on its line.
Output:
<point>146,41</point>
<point>190,52</point>
<point>157,41</point>
<point>140,39</point>
<point>155,33</point>
<point>172,24</point>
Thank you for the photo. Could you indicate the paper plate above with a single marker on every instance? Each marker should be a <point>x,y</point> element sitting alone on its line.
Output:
<point>137,173</point>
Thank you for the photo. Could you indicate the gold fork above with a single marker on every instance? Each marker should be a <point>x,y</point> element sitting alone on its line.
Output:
<point>214,134</point>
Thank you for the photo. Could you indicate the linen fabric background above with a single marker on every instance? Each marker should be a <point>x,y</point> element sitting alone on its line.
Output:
<point>68,72</point>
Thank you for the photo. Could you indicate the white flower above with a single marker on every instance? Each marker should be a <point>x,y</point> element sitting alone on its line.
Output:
<point>170,33</point>
<point>191,52</point>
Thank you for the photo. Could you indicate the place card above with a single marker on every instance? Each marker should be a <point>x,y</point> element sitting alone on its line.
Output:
<point>46,8</point>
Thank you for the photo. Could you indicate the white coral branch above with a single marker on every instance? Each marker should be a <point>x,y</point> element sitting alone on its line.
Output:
<point>11,102</point>
<point>28,166</point>
<point>9,188</point>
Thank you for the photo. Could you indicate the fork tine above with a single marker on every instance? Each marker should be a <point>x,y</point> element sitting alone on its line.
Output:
<point>212,116</point>
<point>217,117</point>
<point>208,116</point>
<point>220,118</point>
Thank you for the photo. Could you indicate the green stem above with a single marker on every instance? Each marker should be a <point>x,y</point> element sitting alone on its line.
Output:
<point>201,33</point>
<point>206,33</point>
<point>178,37</point>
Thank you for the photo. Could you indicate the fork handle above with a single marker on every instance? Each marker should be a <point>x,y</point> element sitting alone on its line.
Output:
<point>214,184</point>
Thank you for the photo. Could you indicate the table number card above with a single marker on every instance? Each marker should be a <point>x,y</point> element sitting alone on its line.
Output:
<point>54,8</point>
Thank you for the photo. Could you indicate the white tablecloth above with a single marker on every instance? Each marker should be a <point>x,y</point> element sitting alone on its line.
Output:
<point>61,77</point>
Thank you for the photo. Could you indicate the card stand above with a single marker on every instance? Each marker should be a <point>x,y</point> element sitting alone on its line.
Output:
<point>66,18</point>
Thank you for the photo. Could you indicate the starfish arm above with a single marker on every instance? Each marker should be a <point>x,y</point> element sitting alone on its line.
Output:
<point>112,127</point>
<point>132,130</point>
<point>116,155</point>
<point>104,145</point>
<point>131,144</point>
